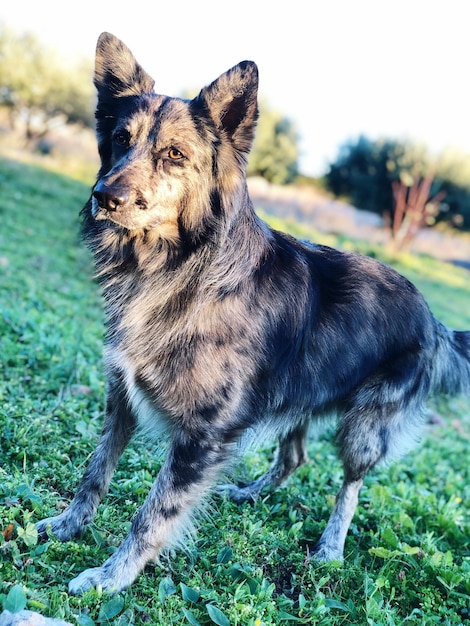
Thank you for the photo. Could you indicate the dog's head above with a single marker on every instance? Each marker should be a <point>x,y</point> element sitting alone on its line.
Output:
<point>168,163</point>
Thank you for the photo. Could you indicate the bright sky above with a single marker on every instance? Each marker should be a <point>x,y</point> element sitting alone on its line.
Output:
<point>337,68</point>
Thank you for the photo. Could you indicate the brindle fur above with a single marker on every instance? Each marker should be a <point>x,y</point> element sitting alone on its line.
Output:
<point>217,324</point>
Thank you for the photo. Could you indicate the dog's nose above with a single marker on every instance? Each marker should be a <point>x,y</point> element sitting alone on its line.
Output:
<point>110,197</point>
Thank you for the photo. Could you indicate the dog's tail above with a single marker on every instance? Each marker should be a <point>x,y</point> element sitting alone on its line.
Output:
<point>451,364</point>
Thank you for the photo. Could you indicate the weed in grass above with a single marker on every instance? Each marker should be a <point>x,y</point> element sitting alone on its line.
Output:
<point>408,553</point>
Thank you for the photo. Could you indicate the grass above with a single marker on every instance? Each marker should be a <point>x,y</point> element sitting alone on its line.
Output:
<point>408,550</point>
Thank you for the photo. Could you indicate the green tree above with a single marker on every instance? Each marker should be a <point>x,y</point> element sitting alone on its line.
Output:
<point>275,151</point>
<point>365,170</point>
<point>370,173</point>
<point>38,90</point>
<point>453,170</point>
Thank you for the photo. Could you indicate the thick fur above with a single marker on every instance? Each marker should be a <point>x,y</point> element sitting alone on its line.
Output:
<point>217,324</point>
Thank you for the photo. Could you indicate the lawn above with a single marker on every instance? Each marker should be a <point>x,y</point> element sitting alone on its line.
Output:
<point>407,558</point>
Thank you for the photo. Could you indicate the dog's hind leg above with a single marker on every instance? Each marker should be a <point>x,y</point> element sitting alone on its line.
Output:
<point>365,438</point>
<point>291,454</point>
<point>331,545</point>
<point>118,430</point>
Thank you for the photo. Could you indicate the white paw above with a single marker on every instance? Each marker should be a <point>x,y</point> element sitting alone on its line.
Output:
<point>92,578</point>
<point>104,578</point>
<point>323,553</point>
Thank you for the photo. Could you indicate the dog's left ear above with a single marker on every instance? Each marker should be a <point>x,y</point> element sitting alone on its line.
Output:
<point>117,73</point>
<point>232,103</point>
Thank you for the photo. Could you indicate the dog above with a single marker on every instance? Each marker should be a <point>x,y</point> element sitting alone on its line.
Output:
<point>218,325</point>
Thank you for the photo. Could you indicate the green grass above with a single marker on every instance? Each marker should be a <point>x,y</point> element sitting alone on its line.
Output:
<point>408,550</point>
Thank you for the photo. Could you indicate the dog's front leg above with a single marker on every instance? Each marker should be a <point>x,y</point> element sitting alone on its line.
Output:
<point>186,476</point>
<point>118,429</point>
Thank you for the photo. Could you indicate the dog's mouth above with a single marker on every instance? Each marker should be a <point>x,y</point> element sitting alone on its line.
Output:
<point>100,213</point>
<point>109,201</point>
<point>115,208</point>
<point>103,214</point>
<point>130,217</point>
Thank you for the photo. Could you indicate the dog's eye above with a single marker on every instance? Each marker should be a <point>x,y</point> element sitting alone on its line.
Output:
<point>122,137</point>
<point>175,155</point>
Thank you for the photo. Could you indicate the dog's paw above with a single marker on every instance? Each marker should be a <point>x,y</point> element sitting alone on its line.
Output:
<point>63,526</point>
<point>92,578</point>
<point>324,553</point>
<point>237,494</point>
<point>101,579</point>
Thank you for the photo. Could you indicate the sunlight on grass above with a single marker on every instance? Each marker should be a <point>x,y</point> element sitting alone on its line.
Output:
<point>437,272</point>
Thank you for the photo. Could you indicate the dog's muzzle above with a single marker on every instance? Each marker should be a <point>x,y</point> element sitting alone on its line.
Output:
<point>109,198</point>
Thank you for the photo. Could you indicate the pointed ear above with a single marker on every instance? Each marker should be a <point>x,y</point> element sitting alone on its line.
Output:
<point>117,73</point>
<point>232,103</point>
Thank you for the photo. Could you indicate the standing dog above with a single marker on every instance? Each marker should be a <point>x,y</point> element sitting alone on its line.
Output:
<point>217,324</point>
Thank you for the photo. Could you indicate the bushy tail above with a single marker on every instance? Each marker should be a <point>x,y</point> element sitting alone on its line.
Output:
<point>451,366</point>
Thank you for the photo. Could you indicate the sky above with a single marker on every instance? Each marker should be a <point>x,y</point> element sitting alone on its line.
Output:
<point>336,68</point>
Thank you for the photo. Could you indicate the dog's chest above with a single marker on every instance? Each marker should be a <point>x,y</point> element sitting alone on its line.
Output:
<point>146,412</point>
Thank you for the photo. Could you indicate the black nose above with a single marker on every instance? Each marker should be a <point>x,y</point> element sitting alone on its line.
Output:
<point>110,197</point>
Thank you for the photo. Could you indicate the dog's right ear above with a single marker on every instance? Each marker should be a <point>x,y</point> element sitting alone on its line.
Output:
<point>117,73</point>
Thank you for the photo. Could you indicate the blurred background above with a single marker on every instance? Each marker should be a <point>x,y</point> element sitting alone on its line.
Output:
<point>364,105</point>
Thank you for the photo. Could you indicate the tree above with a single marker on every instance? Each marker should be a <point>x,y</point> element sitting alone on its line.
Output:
<point>38,90</point>
<point>453,170</point>
<point>401,182</point>
<point>365,170</point>
<point>413,208</point>
<point>275,150</point>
